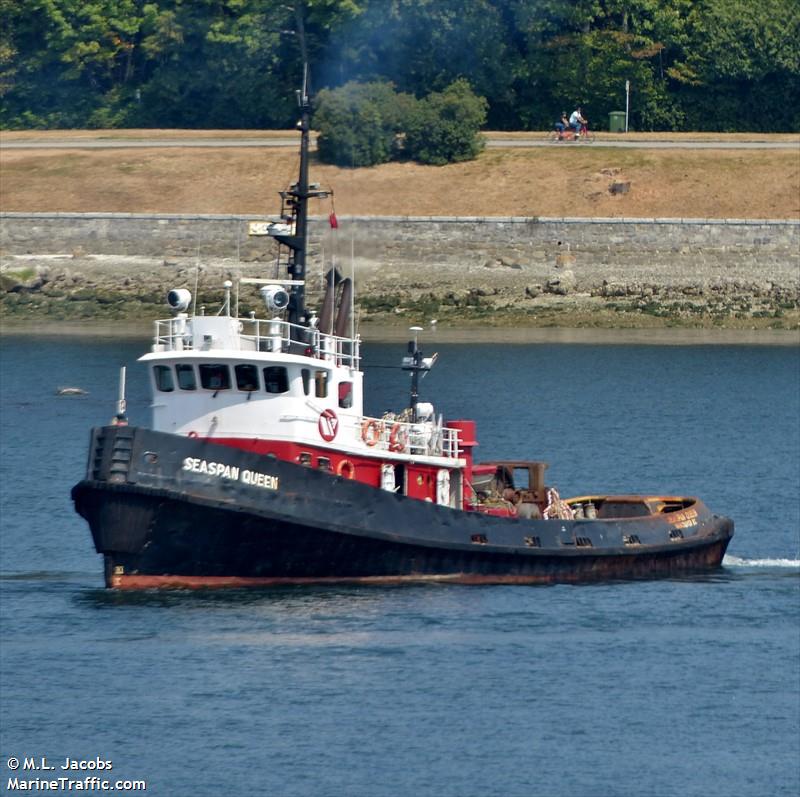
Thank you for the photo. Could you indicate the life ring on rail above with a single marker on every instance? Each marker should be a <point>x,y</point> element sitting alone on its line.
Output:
<point>371,432</point>
<point>346,469</point>
<point>192,434</point>
<point>398,438</point>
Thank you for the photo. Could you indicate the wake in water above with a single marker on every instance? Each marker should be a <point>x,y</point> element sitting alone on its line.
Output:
<point>736,561</point>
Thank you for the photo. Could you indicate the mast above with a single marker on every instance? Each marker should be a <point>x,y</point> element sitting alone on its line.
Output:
<point>297,264</point>
<point>295,199</point>
<point>417,364</point>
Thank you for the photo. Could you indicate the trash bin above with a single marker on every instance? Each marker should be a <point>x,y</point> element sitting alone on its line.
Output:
<point>616,122</point>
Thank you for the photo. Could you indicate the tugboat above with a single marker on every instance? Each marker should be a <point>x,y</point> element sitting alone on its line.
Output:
<point>261,468</point>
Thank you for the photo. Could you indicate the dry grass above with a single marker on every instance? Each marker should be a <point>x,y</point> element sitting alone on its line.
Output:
<point>552,181</point>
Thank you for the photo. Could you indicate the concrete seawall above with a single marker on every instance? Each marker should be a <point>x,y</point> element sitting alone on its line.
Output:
<point>227,236</point>
<point>534,266</point>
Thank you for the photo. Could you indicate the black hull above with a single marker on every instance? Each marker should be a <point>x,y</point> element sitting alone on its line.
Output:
<point>158,522</point>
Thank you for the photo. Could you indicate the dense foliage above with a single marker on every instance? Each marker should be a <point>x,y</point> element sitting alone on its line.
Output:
<point>362,124</point>
<point>444,126</point>
<point>692,64</point>
<point>359,123</point>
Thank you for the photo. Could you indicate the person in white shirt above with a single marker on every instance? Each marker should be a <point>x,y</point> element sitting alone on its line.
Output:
<point>576,120</point>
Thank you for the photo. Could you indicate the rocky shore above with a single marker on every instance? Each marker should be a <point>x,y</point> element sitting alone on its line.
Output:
<point>500,272</point>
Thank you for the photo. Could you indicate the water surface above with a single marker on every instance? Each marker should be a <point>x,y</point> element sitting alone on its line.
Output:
<point>677,687</point>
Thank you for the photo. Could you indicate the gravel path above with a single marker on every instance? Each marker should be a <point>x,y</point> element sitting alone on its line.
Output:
<point>492,142</point>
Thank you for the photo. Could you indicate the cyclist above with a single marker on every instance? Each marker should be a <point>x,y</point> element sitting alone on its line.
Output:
<point>576,120</point>
<point>562,124</point>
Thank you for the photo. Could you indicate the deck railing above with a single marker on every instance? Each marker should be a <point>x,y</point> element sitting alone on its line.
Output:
<point>423,438</point>
<point>204,333</point>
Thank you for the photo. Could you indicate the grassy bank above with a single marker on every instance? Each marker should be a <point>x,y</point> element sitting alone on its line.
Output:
<point>558,180</point>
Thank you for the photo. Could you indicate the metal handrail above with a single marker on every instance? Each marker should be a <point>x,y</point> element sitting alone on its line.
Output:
<point>421,438</point>
<point>265,335</point>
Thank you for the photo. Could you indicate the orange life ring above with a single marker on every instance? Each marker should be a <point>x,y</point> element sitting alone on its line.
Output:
<point>371,432</point>
<point>398,438</point>
<point>192,434</point>
<point>346,468</point>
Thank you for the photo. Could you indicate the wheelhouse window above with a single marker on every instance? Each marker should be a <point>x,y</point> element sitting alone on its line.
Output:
<point>186,377</point>
<point>215,376</point>
<point>163,376</point>
<point>246,377</point>
<point>345,395</point>
<point>276,379</point>
<point>522,479</point>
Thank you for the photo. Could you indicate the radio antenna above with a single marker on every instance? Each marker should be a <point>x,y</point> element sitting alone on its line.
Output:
<point>121,418</point>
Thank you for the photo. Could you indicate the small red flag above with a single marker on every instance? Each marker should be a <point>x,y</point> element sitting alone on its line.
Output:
<point>334,222</point>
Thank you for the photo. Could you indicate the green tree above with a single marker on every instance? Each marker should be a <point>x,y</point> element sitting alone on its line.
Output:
<point>445,126</point>
<point>185,63</point>
<point>70,59</point>
<point>364,124</point>
<point>741,66</point>
<point>423,46</point>
<point>219,63</point>
<point>583,52</point>
<point>705,64</point>
<point>359,123</point>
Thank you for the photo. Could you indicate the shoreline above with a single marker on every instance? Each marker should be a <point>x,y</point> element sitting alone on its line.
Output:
<point>519,335</point>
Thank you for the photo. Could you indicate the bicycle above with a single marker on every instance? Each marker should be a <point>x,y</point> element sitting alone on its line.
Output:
<point>568,134</point>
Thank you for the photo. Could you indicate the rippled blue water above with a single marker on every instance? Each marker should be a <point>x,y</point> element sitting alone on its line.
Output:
<point>677,687</point>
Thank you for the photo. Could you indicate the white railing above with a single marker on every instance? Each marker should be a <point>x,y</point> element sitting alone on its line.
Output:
<point>205,333</point>
<point>423,438</point>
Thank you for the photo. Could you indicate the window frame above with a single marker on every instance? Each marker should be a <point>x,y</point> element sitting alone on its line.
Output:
<point>224,368</point>
<point>159,371</point>
<point>186,368</point>
<point>282,381</point>
<point>256,385</point>
<point>346,395</point>
<point>321,381</point>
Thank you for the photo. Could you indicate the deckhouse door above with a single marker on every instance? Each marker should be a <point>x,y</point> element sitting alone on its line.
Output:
<point>387,478</point>
<point>443,487</point>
